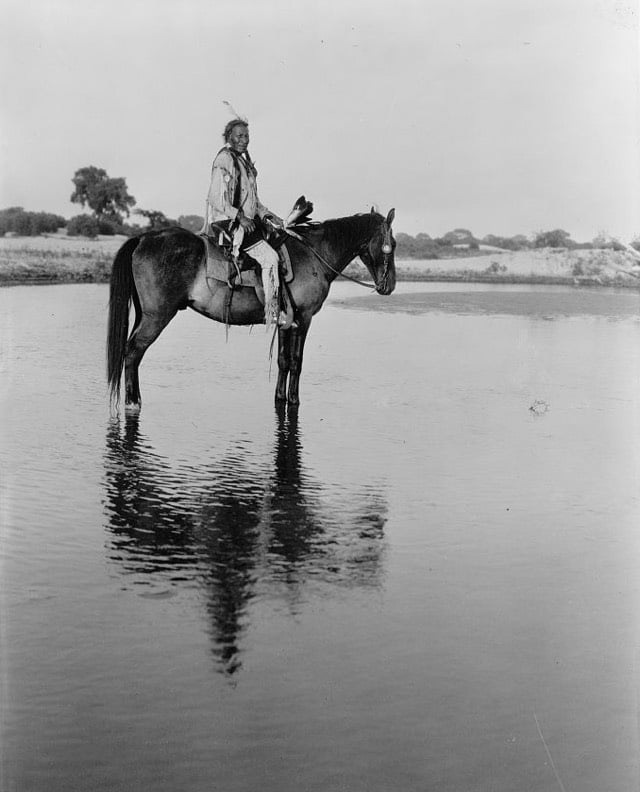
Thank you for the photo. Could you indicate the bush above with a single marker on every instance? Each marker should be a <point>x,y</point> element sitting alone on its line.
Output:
<point>22,223</point>
<point>191,222</point>
<point>83,225</point>
<point>132,229</point>
<point>109,226</point>
<point>157,220</point>
<point>518,242</point>
<point>556,239</point>
<point>420,247</point>
<point>46,223</point>
<point>8,218</point>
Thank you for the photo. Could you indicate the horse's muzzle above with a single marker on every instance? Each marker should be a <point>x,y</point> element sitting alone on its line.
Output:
<point>386,284</point>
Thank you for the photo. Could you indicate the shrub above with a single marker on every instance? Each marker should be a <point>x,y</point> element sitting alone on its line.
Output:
<point>132,229</point>
<point>157,220</point>
<point>420,247</point>
<point>518,242</point>
<point>495,268</point>
<point>8,218</point>
<point>191,222</point>
<point>557,239</point>
<point>47,223</point>
<point>22,223</point>
<point>83,225</point>
<point>109,226</point>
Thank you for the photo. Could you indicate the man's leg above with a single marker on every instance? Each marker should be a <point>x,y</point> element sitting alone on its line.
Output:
<point>234,269</point>
<point>267,257</point>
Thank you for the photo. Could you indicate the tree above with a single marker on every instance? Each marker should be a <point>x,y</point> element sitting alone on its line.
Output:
<point>556,239</point>
<point>107,197</point>
<point>459,236</point>
<point>157,220</point>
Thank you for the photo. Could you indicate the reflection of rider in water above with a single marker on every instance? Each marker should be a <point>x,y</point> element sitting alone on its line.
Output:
<point>234,528</point>
<point>233,202</point>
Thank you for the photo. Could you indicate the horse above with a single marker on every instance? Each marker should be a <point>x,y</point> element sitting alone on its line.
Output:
<point>164,271</point>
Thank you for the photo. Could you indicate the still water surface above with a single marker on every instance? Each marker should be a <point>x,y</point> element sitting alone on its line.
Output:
<point>417,583</point>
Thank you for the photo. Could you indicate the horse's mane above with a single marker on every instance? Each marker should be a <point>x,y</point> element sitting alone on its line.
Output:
<point>340,229</point>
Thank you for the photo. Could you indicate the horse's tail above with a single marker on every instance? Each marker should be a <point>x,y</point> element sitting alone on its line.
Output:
<point>122,292</point>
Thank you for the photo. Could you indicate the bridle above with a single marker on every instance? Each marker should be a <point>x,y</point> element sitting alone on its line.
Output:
<point>387,249</point>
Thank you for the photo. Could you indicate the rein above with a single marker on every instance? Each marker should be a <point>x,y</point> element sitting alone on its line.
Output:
<point>326,263</point>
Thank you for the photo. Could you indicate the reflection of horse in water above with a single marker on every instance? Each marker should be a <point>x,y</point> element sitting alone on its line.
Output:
<point>234,531</point>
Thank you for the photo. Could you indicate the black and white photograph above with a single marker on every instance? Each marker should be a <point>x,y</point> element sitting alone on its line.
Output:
<point>320,396</point>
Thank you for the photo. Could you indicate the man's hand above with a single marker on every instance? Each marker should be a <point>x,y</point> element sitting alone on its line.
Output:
<point>274,220</point>
<point>248,226</point>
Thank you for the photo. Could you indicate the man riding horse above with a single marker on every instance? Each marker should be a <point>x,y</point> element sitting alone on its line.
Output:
<point>234,207</point>
<point>161,272</point>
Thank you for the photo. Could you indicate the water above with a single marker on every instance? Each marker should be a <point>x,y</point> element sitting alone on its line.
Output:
<point>428,580</point>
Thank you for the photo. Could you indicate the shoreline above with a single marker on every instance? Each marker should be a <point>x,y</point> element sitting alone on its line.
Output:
<point>514,280</point>
<point>58,259</point>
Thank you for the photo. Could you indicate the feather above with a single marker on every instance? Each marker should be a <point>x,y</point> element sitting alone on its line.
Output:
<point>300,213</point>
<point>233,111</point>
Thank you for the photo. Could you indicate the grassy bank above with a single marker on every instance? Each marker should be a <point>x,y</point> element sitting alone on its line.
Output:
<point>57,258</point>
<point>559,266</point>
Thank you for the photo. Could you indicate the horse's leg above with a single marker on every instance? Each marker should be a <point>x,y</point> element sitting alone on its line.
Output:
<point>284,347</point>
<point>298,336</point>
<point>150,327</point>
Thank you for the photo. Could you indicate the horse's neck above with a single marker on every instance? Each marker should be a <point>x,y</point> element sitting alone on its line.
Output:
<point>343,238</point>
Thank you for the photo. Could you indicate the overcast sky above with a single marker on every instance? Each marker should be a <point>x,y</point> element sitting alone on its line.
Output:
<point>501,116</point>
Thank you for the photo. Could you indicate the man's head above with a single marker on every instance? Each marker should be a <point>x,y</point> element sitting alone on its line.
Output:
<point>236,135</point>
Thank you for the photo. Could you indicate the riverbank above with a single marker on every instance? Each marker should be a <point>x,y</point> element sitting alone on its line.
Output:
<point>57,258</point>
<point>545,265</point>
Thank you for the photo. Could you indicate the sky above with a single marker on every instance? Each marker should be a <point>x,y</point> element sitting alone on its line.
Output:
<point>500,116</point>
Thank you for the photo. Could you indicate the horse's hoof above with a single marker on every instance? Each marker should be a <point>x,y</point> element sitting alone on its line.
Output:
<point>132,407</point>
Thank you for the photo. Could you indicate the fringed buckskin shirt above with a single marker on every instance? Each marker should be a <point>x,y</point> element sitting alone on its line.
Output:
<point>223,188</point>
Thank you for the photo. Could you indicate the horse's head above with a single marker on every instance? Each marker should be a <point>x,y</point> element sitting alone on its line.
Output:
<point>377,253</point>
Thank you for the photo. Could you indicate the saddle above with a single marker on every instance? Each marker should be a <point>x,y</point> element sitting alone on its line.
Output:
<point>221,266</point>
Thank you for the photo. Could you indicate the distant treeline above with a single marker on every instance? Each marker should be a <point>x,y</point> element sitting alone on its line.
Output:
<point>15,220</point>
<point>459,242</point>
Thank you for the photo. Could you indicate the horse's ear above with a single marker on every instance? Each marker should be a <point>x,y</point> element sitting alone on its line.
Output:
<point>390,216</point>
<point>373,211</point>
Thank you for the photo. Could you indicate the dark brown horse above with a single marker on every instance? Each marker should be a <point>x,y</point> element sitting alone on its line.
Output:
<point>163,272</point>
